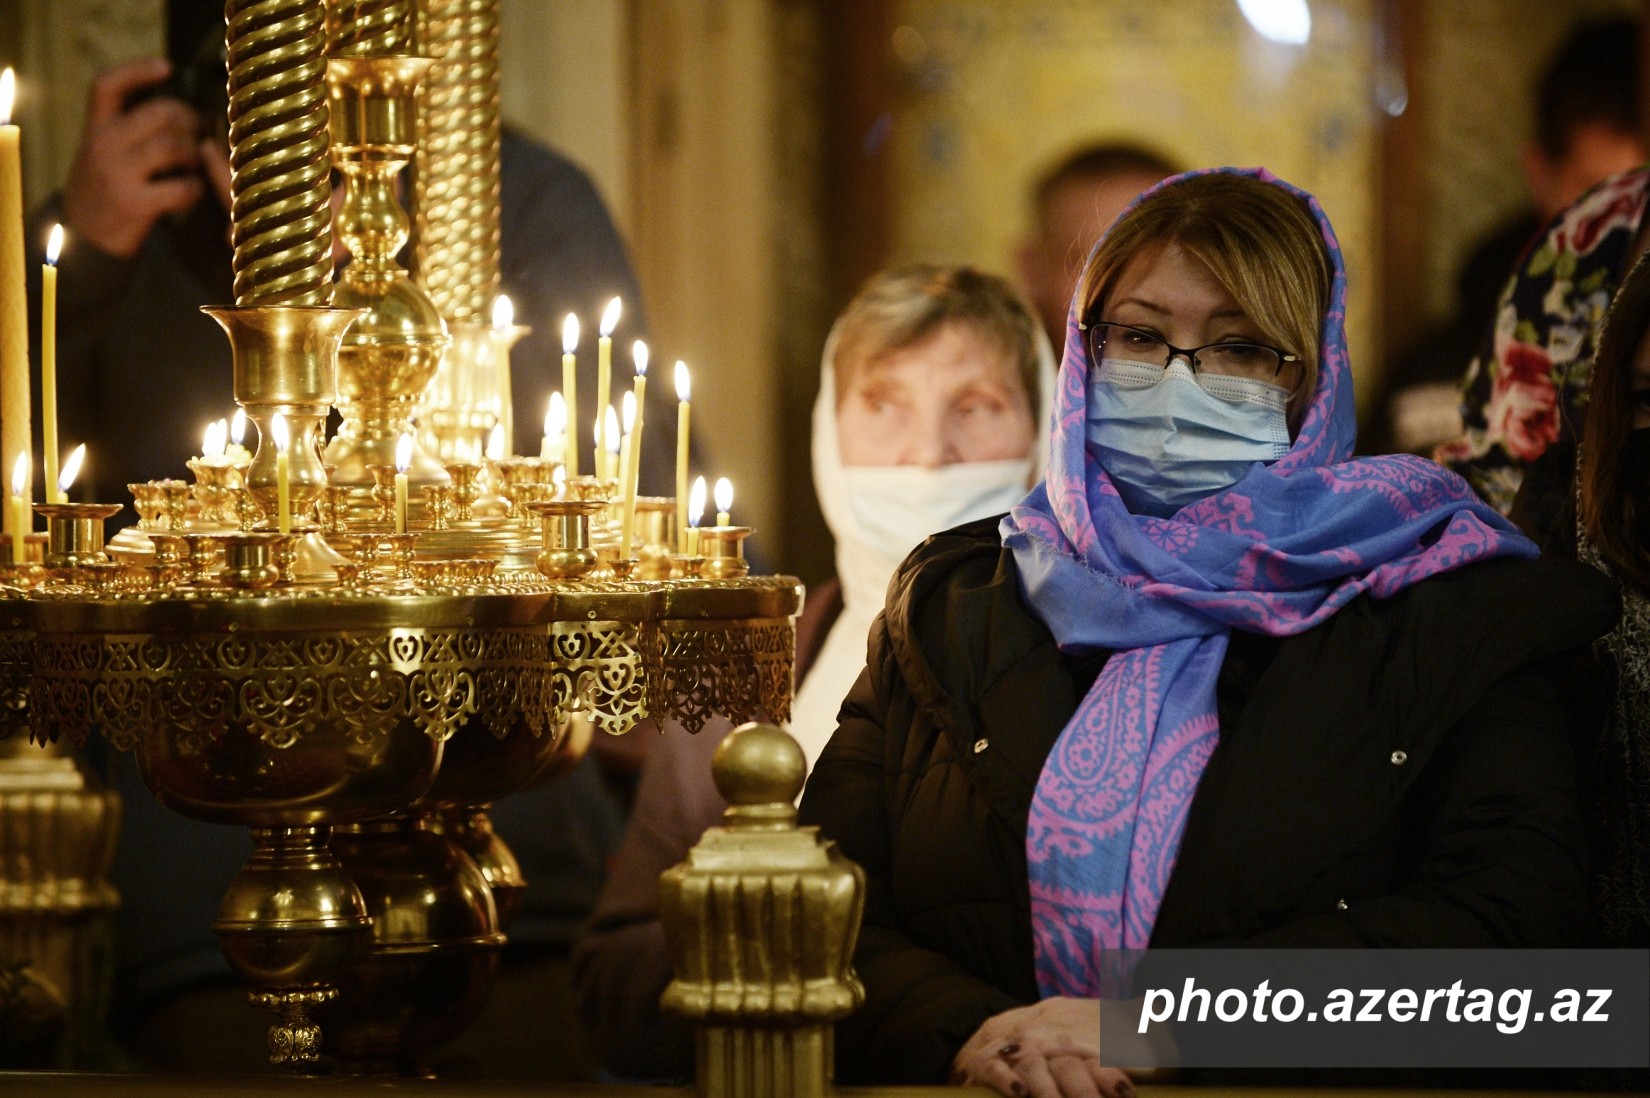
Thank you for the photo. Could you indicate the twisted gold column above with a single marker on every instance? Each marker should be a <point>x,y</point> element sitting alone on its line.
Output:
<point>456,185</point>
<point>369,28</point>
<point>280,181</point>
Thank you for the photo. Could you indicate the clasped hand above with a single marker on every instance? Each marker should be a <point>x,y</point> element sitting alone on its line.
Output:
<point>1050,1049</point>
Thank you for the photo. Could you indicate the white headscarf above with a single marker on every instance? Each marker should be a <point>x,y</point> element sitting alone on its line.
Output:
<point>866,556</point>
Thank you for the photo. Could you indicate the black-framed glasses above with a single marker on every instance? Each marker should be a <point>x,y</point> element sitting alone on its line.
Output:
<point>1257,361</point>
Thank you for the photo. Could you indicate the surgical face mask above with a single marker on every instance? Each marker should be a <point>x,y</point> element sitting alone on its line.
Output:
<point>1167,440</point>
<point>896,506</point>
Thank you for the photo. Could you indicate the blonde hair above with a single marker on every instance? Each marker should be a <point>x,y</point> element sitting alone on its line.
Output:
<point>900,308</point>
<point>1259,241</point>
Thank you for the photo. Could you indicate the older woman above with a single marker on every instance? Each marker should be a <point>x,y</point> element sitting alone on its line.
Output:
<point>928,415</point>
<point>1210,683</point>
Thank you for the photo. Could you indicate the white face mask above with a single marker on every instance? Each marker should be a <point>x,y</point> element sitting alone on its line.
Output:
<point>897,506</point>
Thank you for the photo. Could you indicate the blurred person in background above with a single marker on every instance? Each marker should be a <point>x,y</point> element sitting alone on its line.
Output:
<point>1072,203</point>
<point>1586,127</point>
<point>931,412</point>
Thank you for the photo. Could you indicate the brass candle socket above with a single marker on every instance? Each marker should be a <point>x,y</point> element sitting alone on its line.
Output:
<point>517,476</point>
<point>567,552</point>
<point>149,504</point>
<point>724,551</point>
<point>383,492</point>
<point>466,489</point>
<point>656,523</point>
<point>204,558</point>
<point>250,559</point>
<point>74,532</point>
<point>285,361</point>
<point>174,504</point>
<point>333,509</point>
<point>438,505</point>
<point>208,489</point>
<point>401,555</point>
<point>391,354</point>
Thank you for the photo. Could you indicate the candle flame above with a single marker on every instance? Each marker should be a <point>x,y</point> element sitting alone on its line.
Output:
<point>610,436</point>
<point>212,446</point>
<point>403,453</point>
<point>504,313</point>
<point>8,92</point>
<point>628,415</point>
<point>724,494</point>
<point>684,384</point>
<point>570,334</point>
<point>610,317</point>
<point>558,478</point>
<point>555,416</point>
<point>71,469</point>
<point>696,501</point>
<point>54,245</point>
<point>638,352</point>
<point>20,472</point>
<point>495,443</point>
<point>237,427</point>
<point>278,433</point>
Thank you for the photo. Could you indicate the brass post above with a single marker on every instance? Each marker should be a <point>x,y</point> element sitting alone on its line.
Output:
<point>280,174</point>
<point>456,183</point>
<point>760,923</point>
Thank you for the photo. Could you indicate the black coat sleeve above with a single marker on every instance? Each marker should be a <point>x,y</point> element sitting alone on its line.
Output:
<point>1494,848</point>
<point>920,1006</point>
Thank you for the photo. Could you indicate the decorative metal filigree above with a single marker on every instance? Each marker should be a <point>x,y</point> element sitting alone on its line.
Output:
<point>15,654</point>
<point>599,668</point>
<point>739,669</point>
<point>282,686</point>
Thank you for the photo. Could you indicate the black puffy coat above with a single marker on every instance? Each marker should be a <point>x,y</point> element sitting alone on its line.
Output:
<point>1401,775</point>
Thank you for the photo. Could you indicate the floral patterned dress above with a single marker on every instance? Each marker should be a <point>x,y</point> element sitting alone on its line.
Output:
<point>1528,388</point>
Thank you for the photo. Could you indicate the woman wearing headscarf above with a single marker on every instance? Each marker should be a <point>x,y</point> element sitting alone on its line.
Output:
<point>932,410</point>
<point>1212,682</point>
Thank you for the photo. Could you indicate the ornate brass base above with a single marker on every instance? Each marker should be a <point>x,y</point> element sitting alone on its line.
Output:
<point>290,924</point>
<point>434,951</point>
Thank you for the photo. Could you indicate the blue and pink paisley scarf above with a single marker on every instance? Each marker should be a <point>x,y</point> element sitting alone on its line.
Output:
<point>1277,553</point>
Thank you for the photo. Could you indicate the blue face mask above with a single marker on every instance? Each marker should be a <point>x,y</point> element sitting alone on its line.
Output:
<point>1167,440</point>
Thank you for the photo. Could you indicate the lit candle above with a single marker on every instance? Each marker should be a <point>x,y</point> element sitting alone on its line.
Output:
<point>570,390</point>
<point>611,435</point>
<point>48,359</point>
<point>604,375</point>
<point>683,391</point>
<point>235,436</point>
<point>724,501</point>
<point>696,514</point>
<point>554,443</point>
<point>504,320</point>
<point>403,459</point>
<point>212,443</point>
<point>14,306</point>
<point>495,443</point>
<point>71,470</point>
<point>279,435</point>
<point>558,482</point>
<point>633,468</point>
<point>19,510</point>
<point>627,423</point>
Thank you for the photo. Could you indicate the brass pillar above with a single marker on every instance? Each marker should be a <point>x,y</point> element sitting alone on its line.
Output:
<point>760,923</point>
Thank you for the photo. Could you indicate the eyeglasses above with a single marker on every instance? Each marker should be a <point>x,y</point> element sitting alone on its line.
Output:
<point>1227,359</point>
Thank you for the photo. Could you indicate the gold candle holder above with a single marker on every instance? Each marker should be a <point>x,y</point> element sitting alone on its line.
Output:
<point>148,503</point>
<point>383,492</point>
<point>74,532</point>
<point>392,353</point>
<point>249,560</point>
<point>567,552</point>
<point>438,505</point>
<point>208,489</point>
<point>175,505</point>
<point>205,555</point>
<point>688,567</point>
<point>466,489</point>
<point>401,555</point>
<point>656,522</point>
<point>724,551</point>
<point>333,507</point>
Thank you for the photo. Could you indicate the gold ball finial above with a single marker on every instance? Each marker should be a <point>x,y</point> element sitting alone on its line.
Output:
<point>759,764</point>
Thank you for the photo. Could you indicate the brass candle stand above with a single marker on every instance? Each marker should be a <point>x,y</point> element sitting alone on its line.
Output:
<point>393,352</point>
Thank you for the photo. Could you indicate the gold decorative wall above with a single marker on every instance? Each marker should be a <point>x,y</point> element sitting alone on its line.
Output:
<point>995,91</point>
